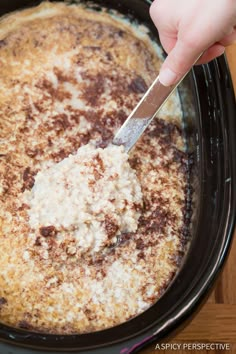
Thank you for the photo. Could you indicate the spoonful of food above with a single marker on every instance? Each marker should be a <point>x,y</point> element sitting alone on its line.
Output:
<point>144,112</point>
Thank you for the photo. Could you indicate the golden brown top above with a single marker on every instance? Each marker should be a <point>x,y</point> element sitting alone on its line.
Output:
<point>70,75</point>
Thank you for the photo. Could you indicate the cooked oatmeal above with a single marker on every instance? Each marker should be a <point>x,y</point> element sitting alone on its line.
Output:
<point>79,252</point>
<point>91,197</point>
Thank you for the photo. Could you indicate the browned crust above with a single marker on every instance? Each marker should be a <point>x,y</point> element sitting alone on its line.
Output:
<point>53,59</point>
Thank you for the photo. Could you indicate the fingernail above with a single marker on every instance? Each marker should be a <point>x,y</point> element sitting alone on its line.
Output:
<point>167,77</point>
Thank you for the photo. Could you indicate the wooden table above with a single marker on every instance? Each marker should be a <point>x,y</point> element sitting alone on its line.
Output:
<point>216,321</point>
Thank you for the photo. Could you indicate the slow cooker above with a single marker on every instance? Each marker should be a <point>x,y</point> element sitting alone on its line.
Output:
<point>209,111</point>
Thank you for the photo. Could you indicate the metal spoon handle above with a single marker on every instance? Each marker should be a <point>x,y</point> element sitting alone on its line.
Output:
<point>143,113</point>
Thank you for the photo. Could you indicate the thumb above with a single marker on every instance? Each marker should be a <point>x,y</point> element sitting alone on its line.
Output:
<point>178,62</point>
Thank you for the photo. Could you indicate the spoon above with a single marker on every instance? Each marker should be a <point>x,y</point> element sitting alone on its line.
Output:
<point>144,112</point>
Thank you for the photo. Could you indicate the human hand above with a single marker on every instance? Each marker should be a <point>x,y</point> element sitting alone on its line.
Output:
<point>188,28</point>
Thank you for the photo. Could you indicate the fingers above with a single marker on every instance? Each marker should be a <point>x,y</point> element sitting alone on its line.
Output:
<point>218,48</point>
<point>189,28</point>
<point>183,51</point>
<point>168,42</point>
<point>182,57</point>
<point>214,51</point>
<point>229,39</point>
<point>179,61</point>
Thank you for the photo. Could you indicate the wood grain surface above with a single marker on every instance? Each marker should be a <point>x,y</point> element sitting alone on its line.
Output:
<point>216,321</point>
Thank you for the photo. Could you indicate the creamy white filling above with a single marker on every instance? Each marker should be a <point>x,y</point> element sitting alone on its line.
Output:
<point>92,196</point>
